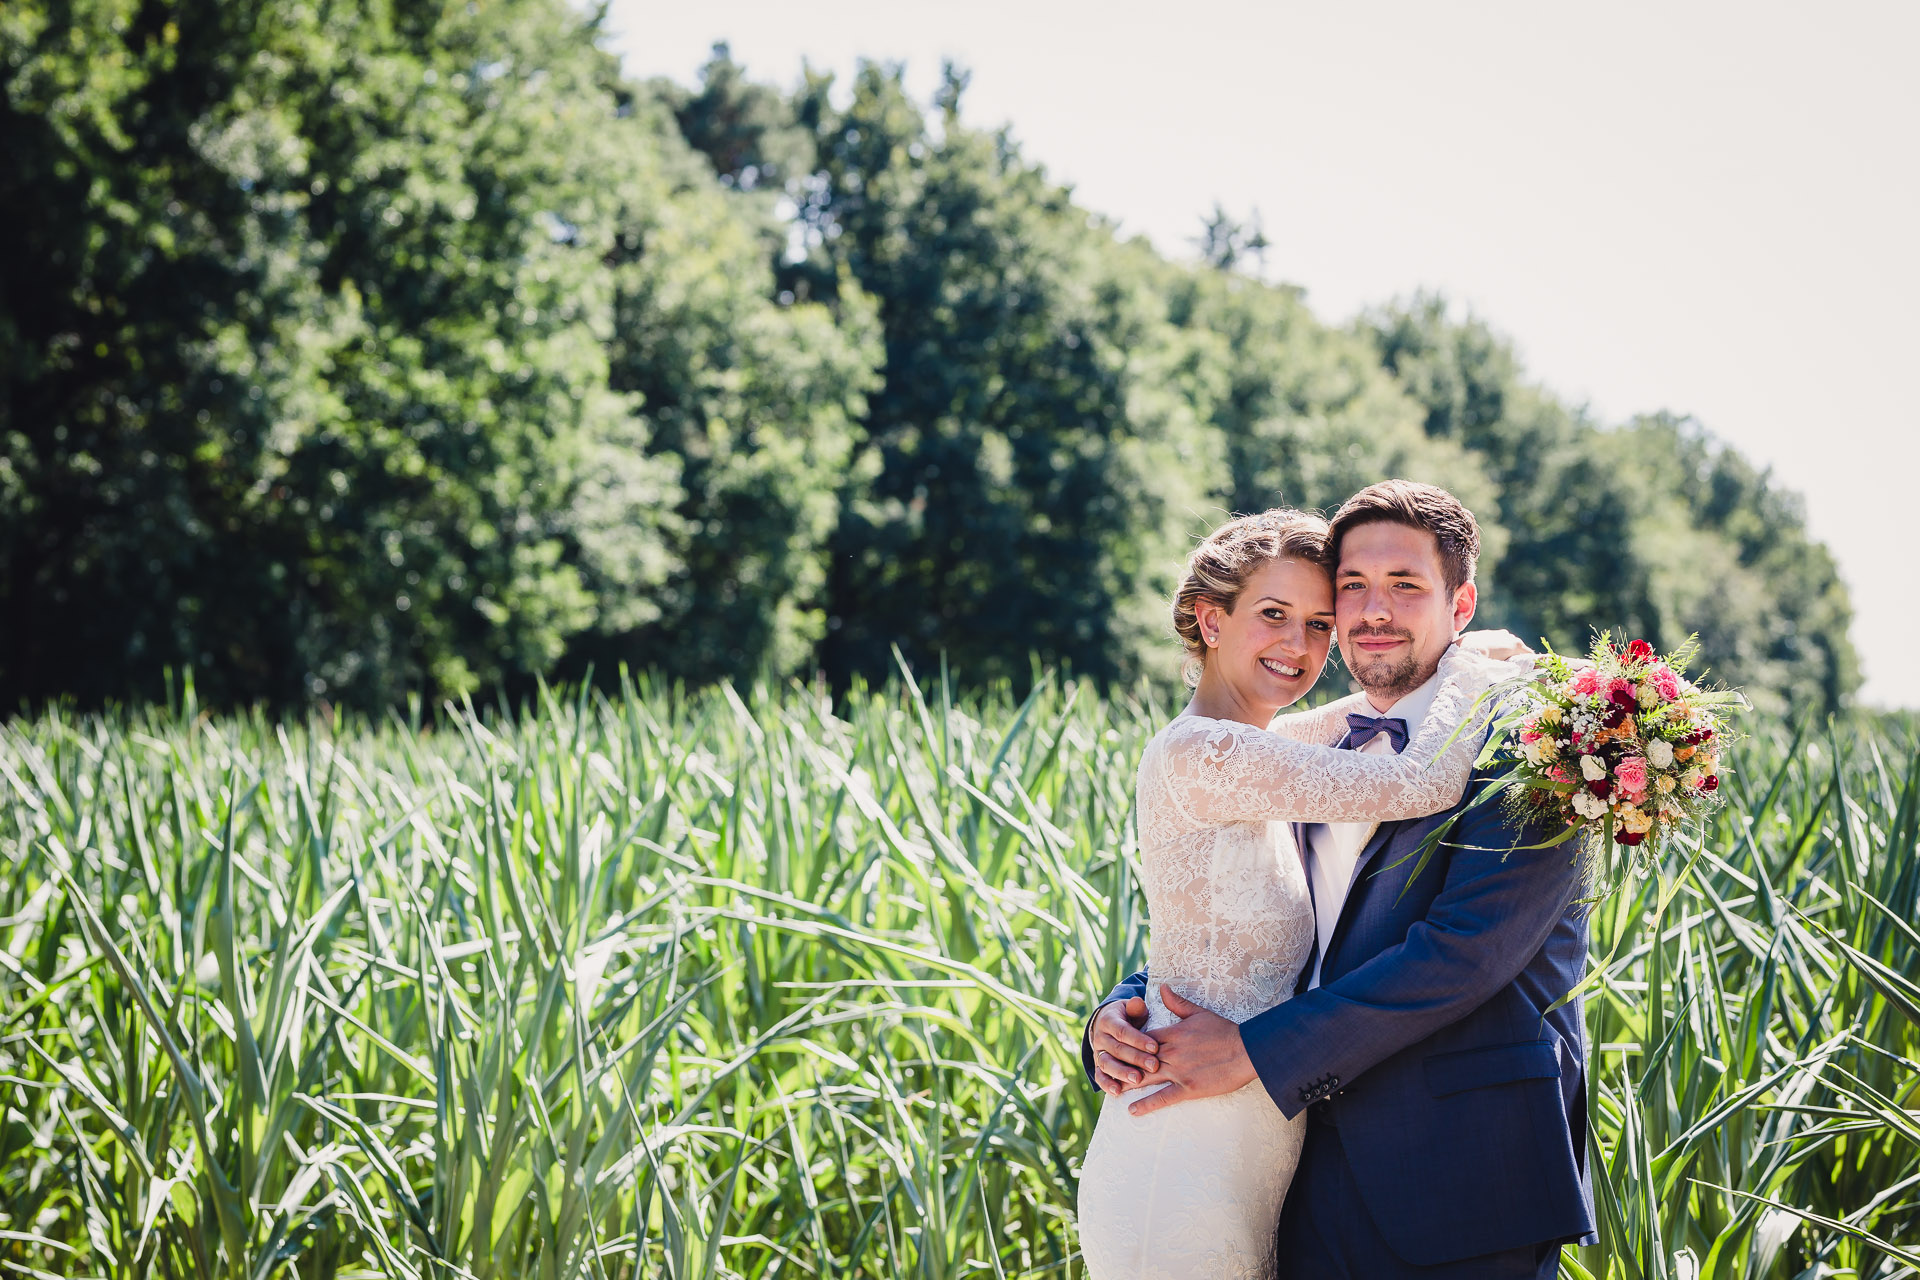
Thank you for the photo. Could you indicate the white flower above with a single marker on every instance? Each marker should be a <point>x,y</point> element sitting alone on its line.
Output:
<point>1660,753</point>
<point>1591,768</point>
<point>1588,805</point>
<point>1647,696</point>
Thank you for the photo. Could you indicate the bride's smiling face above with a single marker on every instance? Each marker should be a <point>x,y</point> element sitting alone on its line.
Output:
<point>1267,651</point>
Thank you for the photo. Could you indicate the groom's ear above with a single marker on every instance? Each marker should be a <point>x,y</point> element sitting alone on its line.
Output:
<point>1465,599</point>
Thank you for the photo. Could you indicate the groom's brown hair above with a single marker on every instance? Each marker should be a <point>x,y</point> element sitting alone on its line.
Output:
<point>1418,506</point>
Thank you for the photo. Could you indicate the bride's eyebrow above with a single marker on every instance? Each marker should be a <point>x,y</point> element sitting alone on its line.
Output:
<point>1288,604</point>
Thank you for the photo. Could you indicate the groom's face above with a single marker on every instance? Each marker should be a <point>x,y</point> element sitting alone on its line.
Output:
<point>1395,613</point>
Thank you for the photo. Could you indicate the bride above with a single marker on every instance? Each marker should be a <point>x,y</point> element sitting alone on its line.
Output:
<point>1195,1190</point>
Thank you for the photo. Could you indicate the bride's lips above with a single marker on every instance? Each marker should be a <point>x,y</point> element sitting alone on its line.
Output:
<point>1283,670</point>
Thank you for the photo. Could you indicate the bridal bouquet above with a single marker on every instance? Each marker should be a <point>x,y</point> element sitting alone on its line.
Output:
<point>1623,750</point>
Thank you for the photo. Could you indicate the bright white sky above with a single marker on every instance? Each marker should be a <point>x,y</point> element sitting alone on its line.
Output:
<point>1712,208</point>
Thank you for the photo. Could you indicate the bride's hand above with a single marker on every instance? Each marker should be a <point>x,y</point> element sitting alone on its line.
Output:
<point>1495,644</point>
<point>1201,1056</point>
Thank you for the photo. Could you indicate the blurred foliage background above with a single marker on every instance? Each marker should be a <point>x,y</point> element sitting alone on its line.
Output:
<point>353,350</point>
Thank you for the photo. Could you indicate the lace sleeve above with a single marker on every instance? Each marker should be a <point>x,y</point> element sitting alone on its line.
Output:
<point>1323,725</point>
<point>1220,771</point>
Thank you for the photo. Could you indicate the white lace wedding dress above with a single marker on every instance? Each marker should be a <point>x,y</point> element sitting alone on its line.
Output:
<point>1194,1190</point>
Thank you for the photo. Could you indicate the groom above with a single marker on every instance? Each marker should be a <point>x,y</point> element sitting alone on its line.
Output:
<point>1446,1097</point>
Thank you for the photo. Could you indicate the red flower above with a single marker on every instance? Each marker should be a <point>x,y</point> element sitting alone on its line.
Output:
<point>1625,836</point>
<point>1602,788</point>
<point>1710,783</point>
<point>1640,651</point>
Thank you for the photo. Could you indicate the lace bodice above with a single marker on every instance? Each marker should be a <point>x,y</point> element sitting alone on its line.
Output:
<point>1231,920</point>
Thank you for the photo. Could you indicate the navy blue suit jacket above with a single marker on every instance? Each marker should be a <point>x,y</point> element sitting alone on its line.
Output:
<point>1460,1100</point>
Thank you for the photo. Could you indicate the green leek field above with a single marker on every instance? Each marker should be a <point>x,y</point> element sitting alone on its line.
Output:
<point>748,984</point>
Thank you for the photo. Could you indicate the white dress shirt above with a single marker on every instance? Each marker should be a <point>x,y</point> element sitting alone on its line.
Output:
<point>1334,848</point>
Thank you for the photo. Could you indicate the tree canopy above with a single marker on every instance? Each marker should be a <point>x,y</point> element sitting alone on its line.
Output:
<point>353,351</point>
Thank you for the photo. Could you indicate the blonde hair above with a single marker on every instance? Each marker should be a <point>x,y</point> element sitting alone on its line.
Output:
<point>1220,566</point>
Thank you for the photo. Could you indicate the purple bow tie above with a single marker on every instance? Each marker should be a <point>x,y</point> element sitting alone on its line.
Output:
<point>1362,729</point>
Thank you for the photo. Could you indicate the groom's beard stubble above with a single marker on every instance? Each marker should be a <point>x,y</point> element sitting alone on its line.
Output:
<point>1387,678</point>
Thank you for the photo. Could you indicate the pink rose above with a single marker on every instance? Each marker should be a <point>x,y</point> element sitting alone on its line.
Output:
<point>1631,774</point>
<point>1528,735</point>
<point>1665,682</point>
<point>1587,683</point>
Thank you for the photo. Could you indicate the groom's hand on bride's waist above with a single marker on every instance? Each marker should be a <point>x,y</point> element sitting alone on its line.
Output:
<point>1123,1054</point>
<point>1201,1056</point>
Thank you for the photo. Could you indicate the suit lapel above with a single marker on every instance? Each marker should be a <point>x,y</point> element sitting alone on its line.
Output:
<point>1377,842</point>
<point>1305,854</point>
<point>1304,851</point>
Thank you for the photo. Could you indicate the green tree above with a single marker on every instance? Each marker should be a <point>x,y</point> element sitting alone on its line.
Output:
<point>353,351</point>
<point>1041,437</point>
<point>1226,243</point>
<point>1652,528</point>
<point>753,396</point>
<point>1308,414</point>
<point>1767,600</point>
<point>305,375</point>
<point>748,131</point>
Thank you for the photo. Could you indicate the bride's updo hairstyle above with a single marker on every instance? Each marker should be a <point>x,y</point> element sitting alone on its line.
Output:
<point>1220,566</point>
